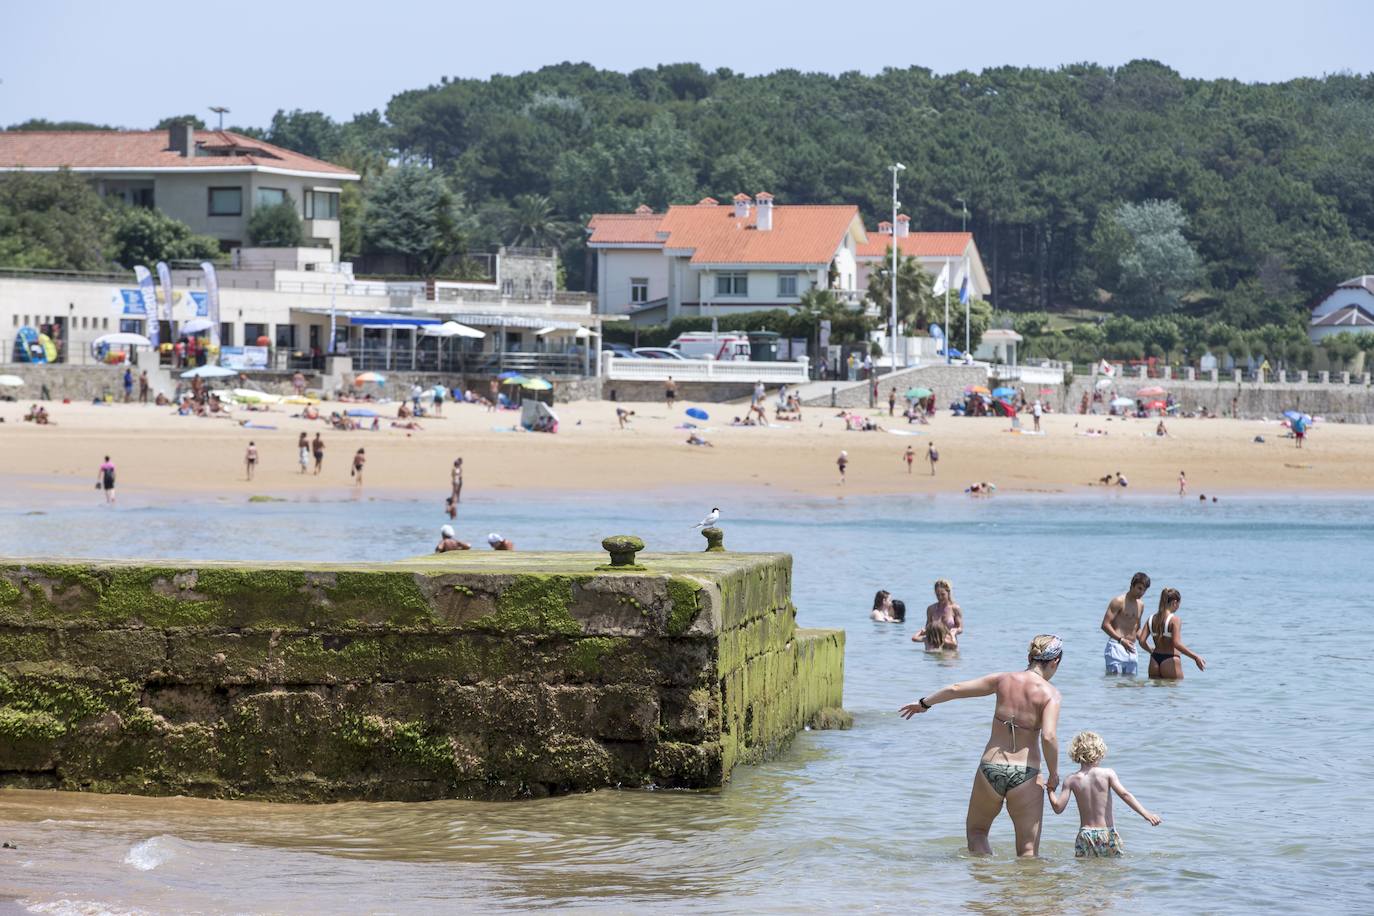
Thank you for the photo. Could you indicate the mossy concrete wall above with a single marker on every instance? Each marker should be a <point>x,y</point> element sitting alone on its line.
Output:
<point>474,676</point>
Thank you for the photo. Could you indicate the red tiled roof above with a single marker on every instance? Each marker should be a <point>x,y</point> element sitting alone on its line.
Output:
<point>800,234</point>
<point>148,149</point>
<point>624,229</point>
<point>918,244</point>
<point>742,196</point>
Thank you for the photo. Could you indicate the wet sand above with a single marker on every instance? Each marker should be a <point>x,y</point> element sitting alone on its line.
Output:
<point>161,455</point>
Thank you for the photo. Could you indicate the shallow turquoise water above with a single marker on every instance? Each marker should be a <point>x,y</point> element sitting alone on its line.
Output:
<point>1256,765</point>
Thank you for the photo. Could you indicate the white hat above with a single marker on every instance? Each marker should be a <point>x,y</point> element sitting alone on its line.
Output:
<point>446,531</point>
<point>494,538</point>
<point>843,453</point>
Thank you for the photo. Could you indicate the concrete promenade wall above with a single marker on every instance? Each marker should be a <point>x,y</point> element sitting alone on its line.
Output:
<point>1351,403</point>
<point>947,382</point>
<point>486,675</point>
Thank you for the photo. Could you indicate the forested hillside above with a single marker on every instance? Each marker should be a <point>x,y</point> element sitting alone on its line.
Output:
<point>1130,189</point>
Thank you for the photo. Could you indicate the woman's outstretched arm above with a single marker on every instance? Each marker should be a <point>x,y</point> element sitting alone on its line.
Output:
<point>978,687</point>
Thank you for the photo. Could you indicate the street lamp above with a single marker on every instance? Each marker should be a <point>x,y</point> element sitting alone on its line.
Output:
<point>896,167</point>
<point>221,111</point>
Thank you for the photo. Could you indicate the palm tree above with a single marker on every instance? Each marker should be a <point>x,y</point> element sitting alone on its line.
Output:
<point>532,222</point>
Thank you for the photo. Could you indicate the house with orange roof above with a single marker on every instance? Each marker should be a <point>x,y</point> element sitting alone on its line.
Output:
<point>932,249</point>
<point>710,258</point>
<point>211,180</point>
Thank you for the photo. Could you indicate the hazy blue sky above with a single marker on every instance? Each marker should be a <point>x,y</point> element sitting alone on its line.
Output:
<point>132,62</point>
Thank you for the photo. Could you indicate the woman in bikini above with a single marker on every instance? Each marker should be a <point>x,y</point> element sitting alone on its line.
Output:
<point>945,610</point>
<point>1167,629</point>
<point>1010,766</point>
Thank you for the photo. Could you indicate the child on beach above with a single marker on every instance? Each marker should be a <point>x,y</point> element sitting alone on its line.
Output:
<point>909,457</point>
<point>1092,787</point>
<point>937,637</point>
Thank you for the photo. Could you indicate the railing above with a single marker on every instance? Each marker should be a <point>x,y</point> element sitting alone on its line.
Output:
<point>1035,375</point>
<point>704,370</point>
<point>472,294</point>
<point>429,360</point>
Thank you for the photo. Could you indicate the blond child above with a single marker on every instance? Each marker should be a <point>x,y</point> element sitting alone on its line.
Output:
<point>1092,788</point>
<point>936,636</point>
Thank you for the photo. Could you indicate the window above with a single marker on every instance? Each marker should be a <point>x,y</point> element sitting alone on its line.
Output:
<point>787,285</point>
<point>732,284</point>
<point>270,197</point>
<point>508,288</point>
<point>286,336</point>
<point>251,333</point>
<point>547,287</point>
<point>321,205</point>
<point>104,324</point>
<point>226,201</point>
<point>639,289</point>
<point>226,333</point>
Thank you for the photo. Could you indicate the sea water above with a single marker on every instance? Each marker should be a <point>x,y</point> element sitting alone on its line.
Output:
<point>1258,765</point>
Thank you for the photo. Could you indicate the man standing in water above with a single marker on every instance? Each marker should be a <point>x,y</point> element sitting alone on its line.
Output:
<point>1121,622</point>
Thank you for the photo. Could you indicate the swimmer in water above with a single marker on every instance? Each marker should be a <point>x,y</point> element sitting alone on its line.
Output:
<point>1092,787</point>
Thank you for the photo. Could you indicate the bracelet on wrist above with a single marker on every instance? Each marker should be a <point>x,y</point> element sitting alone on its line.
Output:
<point>924,704</point>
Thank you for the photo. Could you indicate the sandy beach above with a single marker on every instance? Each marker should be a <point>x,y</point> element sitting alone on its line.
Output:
<point>159,454</point>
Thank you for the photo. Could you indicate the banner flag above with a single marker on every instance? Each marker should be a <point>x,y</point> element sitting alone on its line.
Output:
<point>149,294</point>
<point>212,294</point>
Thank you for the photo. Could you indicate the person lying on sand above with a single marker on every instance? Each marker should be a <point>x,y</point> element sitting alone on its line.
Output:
<point>694,439</point>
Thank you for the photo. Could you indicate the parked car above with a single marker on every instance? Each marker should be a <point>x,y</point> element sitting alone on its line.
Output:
<point>658,353</point>
<point>700,344</point>
<point>621,350</point>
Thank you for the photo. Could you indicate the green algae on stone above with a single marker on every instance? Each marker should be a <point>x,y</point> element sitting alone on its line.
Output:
<point>255,596</point>
<point>587,656</point>
<point>532,604</point>
<point>683,595</point>
<point>9,593</point>
<point>394,597</point>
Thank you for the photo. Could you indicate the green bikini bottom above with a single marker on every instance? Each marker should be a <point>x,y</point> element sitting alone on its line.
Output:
<point>1003,777</point>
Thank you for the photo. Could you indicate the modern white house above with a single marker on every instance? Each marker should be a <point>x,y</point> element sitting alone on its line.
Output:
<point>1349,306</point>
<point>211,180</point>
<point>712,259</point>
<point>932,249</point>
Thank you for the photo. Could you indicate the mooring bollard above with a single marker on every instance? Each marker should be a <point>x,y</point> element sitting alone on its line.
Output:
<point>622,548</point>
<point>715,540</point>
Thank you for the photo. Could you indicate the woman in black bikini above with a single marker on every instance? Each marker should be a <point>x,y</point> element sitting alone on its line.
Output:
<point>1167,629</point>
<point>1010,767</point>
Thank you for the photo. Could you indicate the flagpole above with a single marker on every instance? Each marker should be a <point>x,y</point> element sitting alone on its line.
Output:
<point>948,358</point>
<point>968,281</point>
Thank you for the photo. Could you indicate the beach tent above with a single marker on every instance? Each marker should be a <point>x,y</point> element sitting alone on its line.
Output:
<point>533,412</point>
<point>11,381</point>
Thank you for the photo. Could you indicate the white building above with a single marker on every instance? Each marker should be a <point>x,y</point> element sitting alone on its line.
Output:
<point>934,250</point>
<point>713,259</point>
<point>1348,307</point>
<point>211,180</point>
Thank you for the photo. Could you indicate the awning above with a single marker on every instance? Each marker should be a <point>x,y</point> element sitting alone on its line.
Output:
<point>580,332</point>
<point>375,319</point>
<point>518,321</point>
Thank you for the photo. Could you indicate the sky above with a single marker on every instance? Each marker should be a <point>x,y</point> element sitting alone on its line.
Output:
<point>132,62</point>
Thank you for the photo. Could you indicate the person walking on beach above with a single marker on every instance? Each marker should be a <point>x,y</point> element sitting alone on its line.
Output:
<point>143,387</point>
<point>843,463</point>
<point>105,479</point>
<point>1036,410</point>
<point>1092,787</point>
<point>1182,484</point>
<point>494,395</point>
<point>1120,624</point>
<point>892,402</point>
<point>1009,768</point>
<point>317,446</point>
<point>455,479</point>
<point>303,451</point>
<point>933,457</point>
<point>1300,429</point>
<point>250,459</point>
<point>909,457</point>
<point>128,384</point>
<point>1167,629</point>
<point>758,393</point>
<point>670,392</point>
<point>359,459</point>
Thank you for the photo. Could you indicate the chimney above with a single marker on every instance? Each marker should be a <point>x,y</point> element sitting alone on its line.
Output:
<point>742,202</point>
<point>643,210</point>
<point>181,138</point>
<point>884,228</point>
<point>765,204</point>
<point>903,226</point>
<point>708,202</point>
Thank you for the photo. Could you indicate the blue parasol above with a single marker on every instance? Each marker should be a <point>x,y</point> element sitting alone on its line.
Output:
<point>1294,415</point>
<point>508,374</point>
<point>1004,392</point>
<point>360,412</point>
<point>696,413</point>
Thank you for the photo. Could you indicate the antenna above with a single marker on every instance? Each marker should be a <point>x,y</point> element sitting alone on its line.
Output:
<point>221,111</point>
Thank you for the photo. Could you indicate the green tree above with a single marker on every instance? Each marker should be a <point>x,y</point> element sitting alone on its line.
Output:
<point>531,222</point>
<point>168,121</point>
<point>45,124</point>
<point>276,226</point>
<point>915,304</point>
<point>53,221</point>
<point>980,319</point>
<point>145,236</point>
<point>411,211</point>
<point>1158,264</point>
<point>312,133</point>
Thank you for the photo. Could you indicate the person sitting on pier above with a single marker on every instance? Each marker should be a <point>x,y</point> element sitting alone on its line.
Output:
<point>496,542</point>
<point>449,541</point>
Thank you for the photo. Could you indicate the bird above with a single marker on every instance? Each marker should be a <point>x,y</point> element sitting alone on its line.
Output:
<point>709,520</point>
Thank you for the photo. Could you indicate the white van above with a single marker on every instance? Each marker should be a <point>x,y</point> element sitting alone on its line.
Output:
<point>724,347</point>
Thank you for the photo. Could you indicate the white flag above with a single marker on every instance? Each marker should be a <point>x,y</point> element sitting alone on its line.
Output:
<point>941,281</point>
